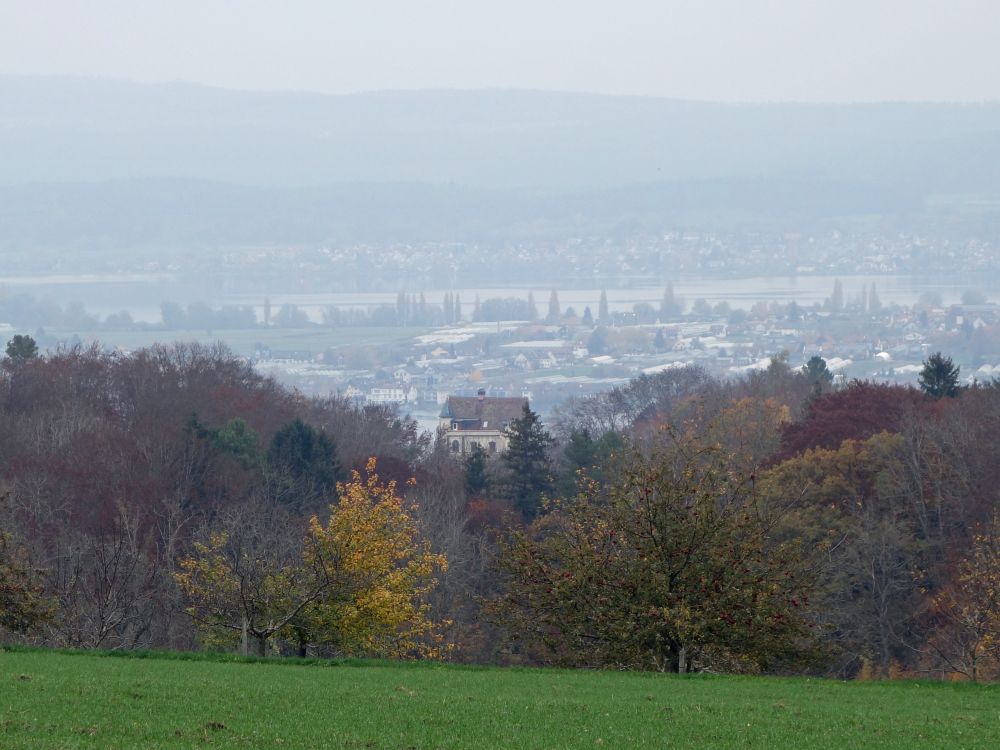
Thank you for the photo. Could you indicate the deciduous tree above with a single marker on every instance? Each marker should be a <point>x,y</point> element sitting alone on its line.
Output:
<point>672,568</point>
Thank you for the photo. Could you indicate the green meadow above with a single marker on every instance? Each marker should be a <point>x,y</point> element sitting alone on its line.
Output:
<point>63,700</point>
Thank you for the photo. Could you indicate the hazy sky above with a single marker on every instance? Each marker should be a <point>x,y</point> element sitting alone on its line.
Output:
<point>743,50</point>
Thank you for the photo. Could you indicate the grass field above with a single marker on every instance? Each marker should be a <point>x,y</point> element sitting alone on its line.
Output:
<point>57,700</point>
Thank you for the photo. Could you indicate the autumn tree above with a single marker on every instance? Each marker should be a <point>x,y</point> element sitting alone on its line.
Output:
<point>353,585</point>
<point>23,604</point>
<point>380,570</point>
<point>246,582</point>
<point>965,639</point>
<point>850,503</point>
<point>673,567</point>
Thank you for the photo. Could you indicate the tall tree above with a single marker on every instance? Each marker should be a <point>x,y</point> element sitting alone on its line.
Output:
<point>529,475</point>
<point>532,307</point>
<point>939,377</point>
<point>603,316</point>
<point>356,585</point>
<point>554,310</point>
<point>673,567</point>
<point>302,465</point>
<point>966,634</point>
<point>669,305</point>
<point>837,298</point>
<point>817,373</point>
<point>23,604</point>
<point>477,481</point>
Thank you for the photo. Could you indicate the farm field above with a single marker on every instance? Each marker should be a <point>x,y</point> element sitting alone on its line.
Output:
<point>63,700</point>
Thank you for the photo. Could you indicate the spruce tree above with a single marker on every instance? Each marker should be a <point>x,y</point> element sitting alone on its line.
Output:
<point>939,378</point>
<point>527,463</point>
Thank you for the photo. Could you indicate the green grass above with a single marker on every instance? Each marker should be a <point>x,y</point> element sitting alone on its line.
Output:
<point>57,700</point>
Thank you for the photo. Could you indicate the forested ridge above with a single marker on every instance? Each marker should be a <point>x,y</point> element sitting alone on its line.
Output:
<point>174,498</point>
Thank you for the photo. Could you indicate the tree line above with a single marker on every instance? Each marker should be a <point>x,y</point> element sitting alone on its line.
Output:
<point>174,498</point>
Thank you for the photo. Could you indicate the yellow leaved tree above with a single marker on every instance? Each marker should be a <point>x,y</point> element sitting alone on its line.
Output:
<point>356,585</point>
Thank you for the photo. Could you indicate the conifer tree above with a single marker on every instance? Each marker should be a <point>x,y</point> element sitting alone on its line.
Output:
<point>526,459</point>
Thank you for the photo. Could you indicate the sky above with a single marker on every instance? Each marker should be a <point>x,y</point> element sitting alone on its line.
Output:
<point>716,50</point>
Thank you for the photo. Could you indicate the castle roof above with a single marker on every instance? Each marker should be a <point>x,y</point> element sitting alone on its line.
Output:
<point>483,413</point>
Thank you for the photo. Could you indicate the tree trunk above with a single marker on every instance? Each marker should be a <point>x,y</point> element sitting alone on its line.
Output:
<point>244,639</point>
<point>682,662</point>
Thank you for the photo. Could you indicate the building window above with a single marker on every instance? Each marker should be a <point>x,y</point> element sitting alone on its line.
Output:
<point>454,446</point>
<point>493,446</point>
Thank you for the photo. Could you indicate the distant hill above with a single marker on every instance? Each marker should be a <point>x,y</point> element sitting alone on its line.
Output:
<point>74,129</point>
<point>101,163</point>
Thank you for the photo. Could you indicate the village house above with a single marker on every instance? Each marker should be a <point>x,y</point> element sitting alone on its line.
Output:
<point>468,421</point>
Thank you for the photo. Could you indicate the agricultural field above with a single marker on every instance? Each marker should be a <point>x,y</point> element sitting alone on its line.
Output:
<point>62,700</point>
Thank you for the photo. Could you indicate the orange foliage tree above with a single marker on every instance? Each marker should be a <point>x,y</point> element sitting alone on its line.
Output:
<point>357,585</point>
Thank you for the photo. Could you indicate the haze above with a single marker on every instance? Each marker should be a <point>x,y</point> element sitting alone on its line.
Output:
<point>719,50</point>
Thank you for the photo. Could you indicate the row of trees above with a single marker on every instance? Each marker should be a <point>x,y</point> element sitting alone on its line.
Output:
<point>173,498</point>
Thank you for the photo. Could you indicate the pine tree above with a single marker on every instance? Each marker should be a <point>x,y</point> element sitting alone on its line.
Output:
<point>527,462</point>
<point>939,378</point>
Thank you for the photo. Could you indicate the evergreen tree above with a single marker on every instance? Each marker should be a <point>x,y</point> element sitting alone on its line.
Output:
<point>603,317</point>
<point>532,308</point>
<point>302,465</point>
<point>588,316</point>
<point>21,348</point>
<point>837,299</point>
<point>817,373</point>
<point>584,455</point>
<point>477,481</point>
<point>448,309</point>
<point>527,462</point>
<point>939,378</point>
<point>554,310</point>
